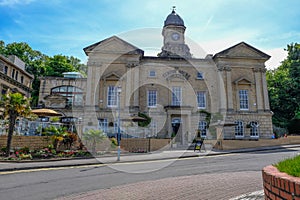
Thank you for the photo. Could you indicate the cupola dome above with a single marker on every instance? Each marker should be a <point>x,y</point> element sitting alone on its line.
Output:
<point>174,19</point>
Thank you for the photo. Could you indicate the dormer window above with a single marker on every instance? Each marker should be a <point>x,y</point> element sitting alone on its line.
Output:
<point>152,73</point>
<point>200,76</point>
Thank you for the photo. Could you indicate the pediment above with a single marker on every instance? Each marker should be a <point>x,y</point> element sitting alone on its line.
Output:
<point>243,50</point>
<point>243,81</point>
<point>111,76</point>
<point>113,45</point>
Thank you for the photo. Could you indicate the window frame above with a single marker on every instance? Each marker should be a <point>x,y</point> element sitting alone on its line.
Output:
<point>254,129</point>
<point>200,76</point>
<point>72,93</point>
<point>239,129</point>
<point>244,99</point>
<point>203,98</point>
<point>103,124</point>
<point>152,103</point>
<point>113,102</point>
<point>176,96</point>
<point>150,73</point>
<point>202,127</point>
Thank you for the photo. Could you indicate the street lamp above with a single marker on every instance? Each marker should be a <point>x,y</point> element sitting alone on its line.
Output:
<point>119,90</point>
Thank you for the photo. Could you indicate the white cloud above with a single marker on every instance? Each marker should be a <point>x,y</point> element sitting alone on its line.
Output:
<point>277,56</point>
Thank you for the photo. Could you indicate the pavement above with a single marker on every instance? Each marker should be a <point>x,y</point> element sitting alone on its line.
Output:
<point>6,166</point>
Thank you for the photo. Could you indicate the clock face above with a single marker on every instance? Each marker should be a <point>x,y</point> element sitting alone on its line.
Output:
<point>175,36</point>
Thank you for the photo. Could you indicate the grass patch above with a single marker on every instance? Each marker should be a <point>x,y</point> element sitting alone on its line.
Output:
<point>290,166</point>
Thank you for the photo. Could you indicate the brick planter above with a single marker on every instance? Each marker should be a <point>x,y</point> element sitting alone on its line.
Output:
<point>278,185</point>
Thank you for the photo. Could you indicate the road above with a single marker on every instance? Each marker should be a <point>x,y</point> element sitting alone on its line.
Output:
<point>210,177</point>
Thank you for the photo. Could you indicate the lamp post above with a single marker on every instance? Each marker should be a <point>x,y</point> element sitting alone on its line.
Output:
<point>119,90</point>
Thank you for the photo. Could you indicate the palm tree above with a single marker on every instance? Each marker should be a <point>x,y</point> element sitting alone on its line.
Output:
<point>94,136</point>
<point>14,104</point>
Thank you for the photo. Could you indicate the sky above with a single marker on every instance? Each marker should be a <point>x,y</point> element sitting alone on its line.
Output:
<point>67,26</point>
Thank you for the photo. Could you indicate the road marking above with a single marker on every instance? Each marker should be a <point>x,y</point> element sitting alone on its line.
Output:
<point>257,195</point>
<point>108,164</point>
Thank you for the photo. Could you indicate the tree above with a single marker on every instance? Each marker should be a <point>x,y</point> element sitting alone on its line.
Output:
<point>15,104</point>
<point>57,65</point>
<point>94,136</point>
<point>284,87</point>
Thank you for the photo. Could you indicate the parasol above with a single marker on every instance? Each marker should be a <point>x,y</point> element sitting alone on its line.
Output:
<point>45,112</point>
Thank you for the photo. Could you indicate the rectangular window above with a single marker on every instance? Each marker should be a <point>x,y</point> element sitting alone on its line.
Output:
<point>5,70</point>
<point>103,125</point>
<point>17,74</point>
<point>22,79</point>
<point>200,75</point>
<point>152,98</point>
<point>201,99</point>
<point>202,127</point>
<point>152,73</point>
<point>239,129</point>
<point>176,96</point>
<point>244,100</point>
<point>13,73</point>
<point>112,96</point>
<point>254,129</point>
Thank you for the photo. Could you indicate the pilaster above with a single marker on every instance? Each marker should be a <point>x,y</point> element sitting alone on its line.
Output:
<point>259,100</point>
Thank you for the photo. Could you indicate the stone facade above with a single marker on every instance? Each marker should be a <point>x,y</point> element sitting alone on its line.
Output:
<point>14,77</point>
<point>184,96</point>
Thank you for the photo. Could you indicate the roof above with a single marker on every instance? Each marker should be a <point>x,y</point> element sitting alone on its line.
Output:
<point>241,50</point>
<point>174,19</point>
<point>135,50</point>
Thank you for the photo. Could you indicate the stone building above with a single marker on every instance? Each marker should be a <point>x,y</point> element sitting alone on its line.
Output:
<point>184,96</point>
<point>13,75</point>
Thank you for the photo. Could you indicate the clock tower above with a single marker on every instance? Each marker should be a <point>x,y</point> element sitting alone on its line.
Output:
<point>174,42</point>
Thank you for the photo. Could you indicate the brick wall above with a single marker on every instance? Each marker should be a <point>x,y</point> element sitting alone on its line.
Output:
<point>33,142</point>
<point>278,185</point>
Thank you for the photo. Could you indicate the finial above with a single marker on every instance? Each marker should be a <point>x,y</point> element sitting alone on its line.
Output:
<point>173,9</point>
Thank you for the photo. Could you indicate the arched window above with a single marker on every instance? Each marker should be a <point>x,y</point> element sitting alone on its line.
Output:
<point>254,129</point>
<point>74,94</point>
<point>239,128</point>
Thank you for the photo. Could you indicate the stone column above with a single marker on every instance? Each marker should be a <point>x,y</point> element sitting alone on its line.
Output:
<point>136,83</point>
<point>258,86</point>
<point>90,117</point>
<point>89,86</point>
<point>129,80</point>
<point>265,89</point>
<point>222,95</point>
<point>229,88</point>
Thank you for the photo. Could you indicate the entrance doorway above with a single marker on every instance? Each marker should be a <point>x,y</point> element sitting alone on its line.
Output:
<point>176,129</point>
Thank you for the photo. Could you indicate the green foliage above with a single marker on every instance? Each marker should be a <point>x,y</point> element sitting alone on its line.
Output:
<point>54,119</point>
<point>94,137</point>
<point>284,87</point>
<point>57,65</point>
<point>290,166</point>
<point>114,142</point>
<point>14,104</point>
<point>146,122</point>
